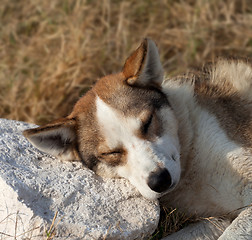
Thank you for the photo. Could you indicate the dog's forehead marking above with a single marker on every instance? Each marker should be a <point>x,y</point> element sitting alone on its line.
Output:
<point>116,128</point>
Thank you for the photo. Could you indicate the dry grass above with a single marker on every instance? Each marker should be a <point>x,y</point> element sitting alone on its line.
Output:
<point>51,52</point>
<point>51,232</point>
<point>15,219</point>
<point>171,221</point>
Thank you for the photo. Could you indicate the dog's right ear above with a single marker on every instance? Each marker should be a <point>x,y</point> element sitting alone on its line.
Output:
<point>143,67</point>
<point>57,138</point>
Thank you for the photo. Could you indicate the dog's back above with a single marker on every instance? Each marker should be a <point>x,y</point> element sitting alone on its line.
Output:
<point>225,89</point>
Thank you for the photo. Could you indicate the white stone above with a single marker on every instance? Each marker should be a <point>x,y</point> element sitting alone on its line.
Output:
<point>241,227</point>
<point>34,186</point>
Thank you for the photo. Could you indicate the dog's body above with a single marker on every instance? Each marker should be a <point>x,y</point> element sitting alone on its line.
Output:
<point>215,130</point>
<point>187,139</point>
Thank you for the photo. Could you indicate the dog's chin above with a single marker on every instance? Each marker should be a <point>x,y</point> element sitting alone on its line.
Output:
<point>152,195</point>
<point>168,191</point>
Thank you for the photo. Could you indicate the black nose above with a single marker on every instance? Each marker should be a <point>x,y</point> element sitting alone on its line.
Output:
<point>160,180</point>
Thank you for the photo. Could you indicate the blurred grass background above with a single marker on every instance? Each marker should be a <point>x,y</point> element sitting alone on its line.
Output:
<point>51,52</point>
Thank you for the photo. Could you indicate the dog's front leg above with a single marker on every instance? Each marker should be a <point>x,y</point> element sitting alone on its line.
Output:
<point>210,229</point>
<point>241,227</point>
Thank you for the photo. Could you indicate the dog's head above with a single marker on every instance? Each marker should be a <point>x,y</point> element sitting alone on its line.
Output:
<point>123,127</point>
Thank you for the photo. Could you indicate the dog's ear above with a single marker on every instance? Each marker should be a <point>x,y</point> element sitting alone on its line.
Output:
<point>143,66</point>
<point>57,138</point>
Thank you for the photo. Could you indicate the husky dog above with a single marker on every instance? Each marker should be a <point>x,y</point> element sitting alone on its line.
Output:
<point>186,140</point>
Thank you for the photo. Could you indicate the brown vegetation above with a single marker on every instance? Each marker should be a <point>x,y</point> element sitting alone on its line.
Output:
<point>51,52</point>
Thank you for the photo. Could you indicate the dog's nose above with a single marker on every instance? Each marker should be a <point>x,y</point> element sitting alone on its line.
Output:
<point>160,180</point>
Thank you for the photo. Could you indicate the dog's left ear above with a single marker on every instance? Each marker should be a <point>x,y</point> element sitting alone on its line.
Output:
<point>143,66</point>
<point>57,138</point>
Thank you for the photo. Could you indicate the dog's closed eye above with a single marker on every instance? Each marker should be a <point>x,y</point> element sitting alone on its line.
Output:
<point>114,152</point>
<point>146,125</point>
<point>114,157</point>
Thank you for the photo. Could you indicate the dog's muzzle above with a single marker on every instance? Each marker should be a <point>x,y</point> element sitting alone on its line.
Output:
<point>160,180</point>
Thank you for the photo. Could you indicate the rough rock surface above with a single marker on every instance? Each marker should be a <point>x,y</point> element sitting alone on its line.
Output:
<point>34,186</point>
<point>241,227</point>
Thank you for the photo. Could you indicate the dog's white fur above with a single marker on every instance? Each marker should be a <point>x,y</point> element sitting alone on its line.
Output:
<point>221,165</point>
<point>207,155</point>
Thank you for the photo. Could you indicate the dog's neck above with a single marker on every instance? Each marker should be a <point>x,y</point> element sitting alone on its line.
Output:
<point>181,100</point>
